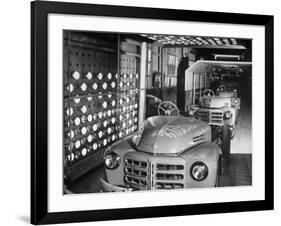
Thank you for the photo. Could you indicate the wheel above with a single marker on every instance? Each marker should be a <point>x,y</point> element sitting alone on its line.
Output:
<point>220,166</point>
<point>232,133</point>
<point>219,171</point>
<point>237,116</point>
<point>217,181</point>
<point>225,145</point>
<point>215,133</point>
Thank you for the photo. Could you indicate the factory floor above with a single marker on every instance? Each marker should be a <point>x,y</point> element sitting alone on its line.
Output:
<point>239,170</point>
<point>237,173</point>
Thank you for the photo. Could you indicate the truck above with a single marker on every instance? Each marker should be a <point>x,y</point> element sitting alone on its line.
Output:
<point>221,112</point>
<point>170,152</point>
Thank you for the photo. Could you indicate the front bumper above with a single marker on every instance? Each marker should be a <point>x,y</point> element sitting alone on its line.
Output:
<point>107,187</point>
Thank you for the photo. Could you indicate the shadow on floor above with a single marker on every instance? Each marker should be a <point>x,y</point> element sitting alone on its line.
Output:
<point>24,219</point>
<point>238,172</point>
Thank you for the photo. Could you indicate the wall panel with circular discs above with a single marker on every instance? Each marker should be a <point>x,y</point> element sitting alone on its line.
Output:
<point>100,104</point>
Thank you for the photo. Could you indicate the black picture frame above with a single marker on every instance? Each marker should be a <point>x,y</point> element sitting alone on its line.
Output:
<point>39,112</point>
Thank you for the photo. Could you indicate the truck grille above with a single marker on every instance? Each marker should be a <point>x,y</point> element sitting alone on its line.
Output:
<point>169,185</point>
<point>135,181</point>
<point>169,176</point>
<point>136,163</point>
<point>213,117</point>
<point>169,167</point>
<point>143,172</point>
<point>136,173</point>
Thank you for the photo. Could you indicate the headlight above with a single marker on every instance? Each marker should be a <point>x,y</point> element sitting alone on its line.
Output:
<point>112,160</point>
<point>199,171</point>
<point>227,115</point>
<point>192,112</point>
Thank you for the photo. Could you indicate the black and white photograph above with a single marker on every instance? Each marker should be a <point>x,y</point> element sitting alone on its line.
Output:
<point>146,111</point>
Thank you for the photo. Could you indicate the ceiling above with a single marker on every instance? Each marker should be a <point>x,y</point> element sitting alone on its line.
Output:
<point>204,66</point>
<point>196,41</point>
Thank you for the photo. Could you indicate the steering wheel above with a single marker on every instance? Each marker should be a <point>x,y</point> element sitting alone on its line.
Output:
<point>221,88</point>
<point>167,108</point>
<point>208,93</point>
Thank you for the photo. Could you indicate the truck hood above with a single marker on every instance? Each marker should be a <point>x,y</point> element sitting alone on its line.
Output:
<point>172,134</point>
<point>215,102</point>
<point>228,94</point>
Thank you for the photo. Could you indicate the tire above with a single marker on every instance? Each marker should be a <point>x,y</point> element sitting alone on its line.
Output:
<point>225,146</point>
<point>215,133</point>
<point>232,133</point>
<point>219,172</point>
<point>237,117</point>
<point>217,181</point>
<point>220,166</point>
